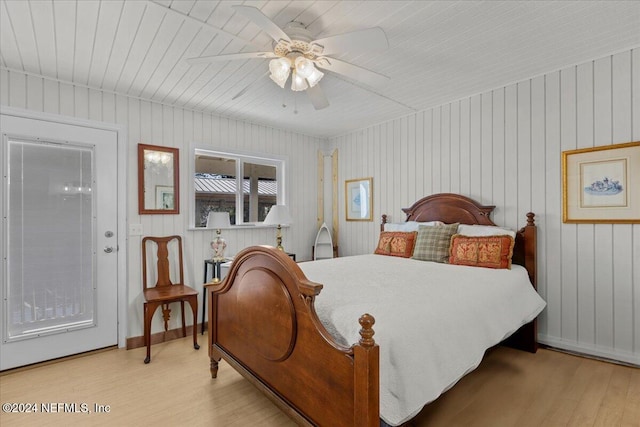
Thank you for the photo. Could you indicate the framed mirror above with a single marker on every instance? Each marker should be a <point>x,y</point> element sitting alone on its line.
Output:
<point>158,180</point>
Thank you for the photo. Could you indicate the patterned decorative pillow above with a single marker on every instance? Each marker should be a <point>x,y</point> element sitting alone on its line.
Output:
<point>482,251</point>
<point>432,243</point>
<point>396,243</point>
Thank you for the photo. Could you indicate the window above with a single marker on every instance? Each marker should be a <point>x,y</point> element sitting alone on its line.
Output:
<point>244,185</point>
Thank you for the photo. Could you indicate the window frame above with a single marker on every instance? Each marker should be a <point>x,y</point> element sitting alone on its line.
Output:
<point>240,157</point>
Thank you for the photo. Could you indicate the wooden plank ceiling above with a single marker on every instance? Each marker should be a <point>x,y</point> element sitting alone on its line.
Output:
<point>438,51</point>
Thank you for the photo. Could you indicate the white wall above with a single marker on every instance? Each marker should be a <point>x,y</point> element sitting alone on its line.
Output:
<point>503,148</point>
<point>153,123</point>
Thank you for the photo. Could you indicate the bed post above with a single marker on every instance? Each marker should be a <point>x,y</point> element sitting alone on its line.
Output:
<point>525,252</point>
<point>366,362</point>
<point>384,221</point>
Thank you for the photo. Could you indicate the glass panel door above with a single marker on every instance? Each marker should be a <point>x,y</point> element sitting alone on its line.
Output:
<point>51,279</point>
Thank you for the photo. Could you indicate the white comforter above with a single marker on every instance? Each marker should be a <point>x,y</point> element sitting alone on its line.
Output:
<point>433,321</point>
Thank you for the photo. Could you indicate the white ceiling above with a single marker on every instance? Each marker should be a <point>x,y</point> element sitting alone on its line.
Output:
<point>439,51</point>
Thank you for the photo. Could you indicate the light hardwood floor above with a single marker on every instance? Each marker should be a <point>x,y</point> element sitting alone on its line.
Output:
<point>510,388</point>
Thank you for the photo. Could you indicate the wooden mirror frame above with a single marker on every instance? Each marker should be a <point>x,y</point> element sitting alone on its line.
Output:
<point>142,210</point>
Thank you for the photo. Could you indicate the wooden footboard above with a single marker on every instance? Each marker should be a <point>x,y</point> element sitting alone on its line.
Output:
<point>262,321</point>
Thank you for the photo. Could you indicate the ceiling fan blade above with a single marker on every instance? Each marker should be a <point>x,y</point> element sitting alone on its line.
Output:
<point>230,57</point>
<point>246,88</point>
<point>368,77</point>
<point>317,97</point>
<point>262,21</point>
<point>355,41</point>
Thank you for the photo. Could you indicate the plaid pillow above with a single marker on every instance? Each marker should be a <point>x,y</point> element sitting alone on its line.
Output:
<point>432,243</point>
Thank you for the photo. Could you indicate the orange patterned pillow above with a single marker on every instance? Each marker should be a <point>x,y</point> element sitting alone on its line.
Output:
<point>481,251</point>
<point>396,243</point>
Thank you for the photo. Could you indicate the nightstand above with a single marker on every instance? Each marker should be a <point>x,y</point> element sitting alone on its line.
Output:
<point>218,271</point>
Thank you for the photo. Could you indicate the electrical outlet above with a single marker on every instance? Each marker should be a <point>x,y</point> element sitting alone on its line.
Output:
<point>135,229</point>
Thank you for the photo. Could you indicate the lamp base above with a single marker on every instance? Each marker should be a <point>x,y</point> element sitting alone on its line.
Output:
<point>279,239</point>
<point>218,245</point>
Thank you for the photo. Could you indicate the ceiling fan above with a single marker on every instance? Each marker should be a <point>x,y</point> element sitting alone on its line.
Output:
<point>296,54</point>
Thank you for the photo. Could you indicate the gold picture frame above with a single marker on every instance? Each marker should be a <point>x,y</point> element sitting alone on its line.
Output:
<point>601,184</point>
<point>358,199</point>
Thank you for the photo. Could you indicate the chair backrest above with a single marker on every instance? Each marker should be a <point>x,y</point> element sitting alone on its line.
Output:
<point>163,270</point>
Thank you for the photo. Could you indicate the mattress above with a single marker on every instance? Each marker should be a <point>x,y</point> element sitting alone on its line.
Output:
<point>434,321</point>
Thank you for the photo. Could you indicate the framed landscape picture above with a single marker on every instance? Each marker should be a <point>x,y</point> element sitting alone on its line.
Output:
<point>601,184</point>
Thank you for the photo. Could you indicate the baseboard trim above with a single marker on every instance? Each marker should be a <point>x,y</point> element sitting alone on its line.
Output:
<point>159,337</point>
<point>610,355</point>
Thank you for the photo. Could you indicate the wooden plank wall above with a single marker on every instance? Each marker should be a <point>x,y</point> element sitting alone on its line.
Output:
<point>503,147</point>
<point>157,124</point>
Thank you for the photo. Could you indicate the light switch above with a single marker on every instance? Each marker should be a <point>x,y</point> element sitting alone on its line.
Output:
<point>135,229</point>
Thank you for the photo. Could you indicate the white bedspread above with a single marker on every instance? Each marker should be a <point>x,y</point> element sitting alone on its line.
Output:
<point>433,321</point>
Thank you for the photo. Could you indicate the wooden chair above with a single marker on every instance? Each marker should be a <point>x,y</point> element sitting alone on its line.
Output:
<point>164,292</point>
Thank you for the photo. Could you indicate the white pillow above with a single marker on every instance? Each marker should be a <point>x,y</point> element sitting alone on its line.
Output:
<point>409,225</point>
<point>484,230</point>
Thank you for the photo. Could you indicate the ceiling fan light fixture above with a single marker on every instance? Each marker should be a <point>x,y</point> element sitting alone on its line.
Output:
<point>280,81</point>
<point>315,77</point>
<point>304,67</point>
<point>298,83</point>
<point>280,69</point>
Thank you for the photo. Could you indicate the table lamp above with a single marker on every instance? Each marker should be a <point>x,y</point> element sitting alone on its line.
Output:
<point>218,220</point>
<point>278,215</point>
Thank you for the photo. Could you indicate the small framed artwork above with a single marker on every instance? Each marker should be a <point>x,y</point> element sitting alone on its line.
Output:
<point>601,184</point>
<point>358,203</point>
<point>164,198</point>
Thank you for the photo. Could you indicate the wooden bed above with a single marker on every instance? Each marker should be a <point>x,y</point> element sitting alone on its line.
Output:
<point>262,321</point>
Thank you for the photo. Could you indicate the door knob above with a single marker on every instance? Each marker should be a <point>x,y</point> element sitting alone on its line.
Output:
<point>108,249</point>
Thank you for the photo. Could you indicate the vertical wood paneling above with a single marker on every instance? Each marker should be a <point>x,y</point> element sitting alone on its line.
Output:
<point>635,250</point>
<point>524,151</point>
<point>568,231</point>
<point>445,149</point>
<point>34,93</point>
<point>51,101</point>
<point>419,154</point>
<point>455,150</point>
<point>405,169</point>
<point>475,141</point>
<point>504,147</point>
<point>4,87</point>
<point>428,152</point>
<point>498,146</point>
<point>585,274</point>
<point>465,147</point>
<point>486,147</point>
<point>538,182</point>
<point>603,234</point>
<point>17,90</point>
<point>511,155</point>
<point>436,147</point>
<point>81,102</point>
<point>551,290</point>
<point>622,233</point>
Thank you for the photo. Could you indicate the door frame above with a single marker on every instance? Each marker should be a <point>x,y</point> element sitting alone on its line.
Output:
<point>122,242</point>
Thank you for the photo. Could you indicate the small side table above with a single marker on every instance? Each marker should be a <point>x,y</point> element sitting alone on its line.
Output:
<point>215,273</point>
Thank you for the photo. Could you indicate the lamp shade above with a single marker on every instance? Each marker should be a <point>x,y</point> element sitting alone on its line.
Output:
<point>315,77</point>
<point>278,214</point>
<point>218,220</point>
<point>298,83</point>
